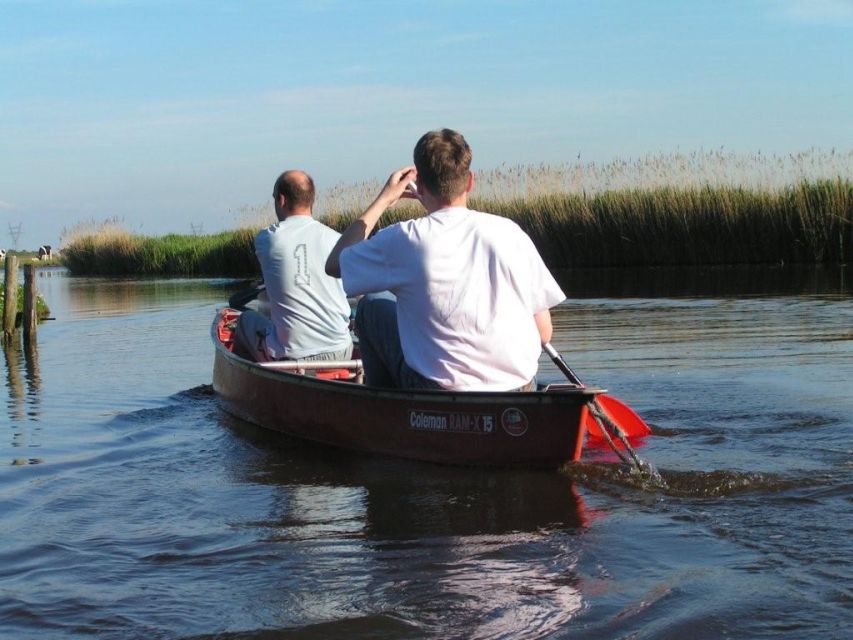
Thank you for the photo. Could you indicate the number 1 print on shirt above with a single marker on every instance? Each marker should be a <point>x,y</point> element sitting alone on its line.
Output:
<point>302,278</point>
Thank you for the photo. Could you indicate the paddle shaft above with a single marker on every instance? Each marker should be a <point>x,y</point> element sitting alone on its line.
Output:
<point>597,411</point>
<point>240,299</point>
<point>561,364</point>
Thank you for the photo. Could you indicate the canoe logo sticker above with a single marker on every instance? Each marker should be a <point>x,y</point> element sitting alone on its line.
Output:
<point>451,422</point>
<point>514,422</point>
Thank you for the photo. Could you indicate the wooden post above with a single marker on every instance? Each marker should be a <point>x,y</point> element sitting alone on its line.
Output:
<point>11,289</point>
<point>30,306</point>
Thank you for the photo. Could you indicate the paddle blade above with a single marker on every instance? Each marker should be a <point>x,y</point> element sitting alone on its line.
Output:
<point>620,413</point>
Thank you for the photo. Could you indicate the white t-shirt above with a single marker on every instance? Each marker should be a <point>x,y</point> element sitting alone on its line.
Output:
<point>467,286</point>
<point>308,308</point>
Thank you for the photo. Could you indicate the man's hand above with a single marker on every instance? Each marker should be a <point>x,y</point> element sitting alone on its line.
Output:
<point>397,187</point>
<point>360,229</point>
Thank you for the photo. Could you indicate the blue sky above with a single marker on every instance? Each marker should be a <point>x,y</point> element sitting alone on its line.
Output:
<point>173,114</point>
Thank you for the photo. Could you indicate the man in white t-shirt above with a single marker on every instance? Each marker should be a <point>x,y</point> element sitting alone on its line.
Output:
<point>309,312</point>
<point>471,295</point>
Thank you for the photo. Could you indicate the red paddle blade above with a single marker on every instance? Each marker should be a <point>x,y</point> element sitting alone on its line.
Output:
<point>627,419</point>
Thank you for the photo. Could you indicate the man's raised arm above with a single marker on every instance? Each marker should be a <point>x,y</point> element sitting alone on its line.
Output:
<point>360,229</point>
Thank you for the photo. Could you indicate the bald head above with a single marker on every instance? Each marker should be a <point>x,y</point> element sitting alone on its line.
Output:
<point>293,192</point>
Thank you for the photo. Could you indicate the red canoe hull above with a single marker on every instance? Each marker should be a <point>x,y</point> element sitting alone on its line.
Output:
<point>530,429</point>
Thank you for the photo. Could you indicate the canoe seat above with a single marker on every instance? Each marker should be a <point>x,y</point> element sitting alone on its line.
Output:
<point>226,326</point>
<point>335,374</point>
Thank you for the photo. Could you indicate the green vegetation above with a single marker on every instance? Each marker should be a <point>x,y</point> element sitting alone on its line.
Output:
<point>111,251</point>
<point>42,310</point>
<point>696,209</point>
<point>809,223</point>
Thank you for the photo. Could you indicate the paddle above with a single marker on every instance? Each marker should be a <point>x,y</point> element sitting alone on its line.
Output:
<point>240,299</point>
<point>615,411</point>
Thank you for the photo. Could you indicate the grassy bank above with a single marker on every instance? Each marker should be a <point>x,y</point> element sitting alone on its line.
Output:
<point>32,257</point>
<point>810,222</point>
<point>109,250</point>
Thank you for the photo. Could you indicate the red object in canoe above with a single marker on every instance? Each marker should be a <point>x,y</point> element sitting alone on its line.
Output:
<point>531,429</point>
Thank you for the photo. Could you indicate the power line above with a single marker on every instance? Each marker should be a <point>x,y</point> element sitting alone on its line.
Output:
<point>15,234</point>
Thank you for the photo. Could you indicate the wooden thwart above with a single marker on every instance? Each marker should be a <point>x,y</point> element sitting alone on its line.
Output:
<point>311,365</point>
<point>352,370</point>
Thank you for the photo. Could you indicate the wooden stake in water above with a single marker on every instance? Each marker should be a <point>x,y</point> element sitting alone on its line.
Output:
<point>30,306</point>
<point>11,291</point>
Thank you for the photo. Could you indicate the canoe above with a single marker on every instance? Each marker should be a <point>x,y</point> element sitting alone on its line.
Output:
<point>541,428</point>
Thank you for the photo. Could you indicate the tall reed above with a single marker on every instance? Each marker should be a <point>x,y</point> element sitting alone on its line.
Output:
<point>680,209</point>
<point>811,222</point>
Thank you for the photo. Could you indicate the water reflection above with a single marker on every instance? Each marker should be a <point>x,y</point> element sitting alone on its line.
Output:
<point>707,281</point>
<point>491,551</point>
<point>33,377</point>
<point>403,499</point>
<point>14,382</point>
<point>26,358</point>
<point>69,296</point>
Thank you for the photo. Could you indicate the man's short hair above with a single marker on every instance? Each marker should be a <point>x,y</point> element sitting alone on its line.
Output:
<point>443,161</point>
<point>297,187</point>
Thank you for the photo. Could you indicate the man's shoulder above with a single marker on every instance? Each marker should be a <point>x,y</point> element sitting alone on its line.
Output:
<point>263,236</point>
<point>326,228</point>
<point>495,222</point>
<point>313,225</point>
<point>298,225</point>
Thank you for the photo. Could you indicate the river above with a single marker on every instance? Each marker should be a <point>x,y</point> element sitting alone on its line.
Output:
<point>131,506</point>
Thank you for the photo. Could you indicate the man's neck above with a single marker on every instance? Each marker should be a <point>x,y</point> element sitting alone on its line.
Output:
<point>293,213</point>
<point>436,205</point>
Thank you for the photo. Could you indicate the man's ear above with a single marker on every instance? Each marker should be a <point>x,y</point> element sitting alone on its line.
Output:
<point>470,186</point>
<point>281,201</point>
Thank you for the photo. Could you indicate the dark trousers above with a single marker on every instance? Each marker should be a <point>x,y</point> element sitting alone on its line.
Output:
<point>379,340</point>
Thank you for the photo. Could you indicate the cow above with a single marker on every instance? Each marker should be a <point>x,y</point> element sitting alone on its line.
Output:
<point>45,252</point>
<point>2,254</point>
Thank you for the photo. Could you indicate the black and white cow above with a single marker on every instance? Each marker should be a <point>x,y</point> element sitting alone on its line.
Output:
<point>2,254</point>
<point>45,252</point>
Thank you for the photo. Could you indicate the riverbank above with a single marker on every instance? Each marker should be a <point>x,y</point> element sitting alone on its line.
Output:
<point>42,310</point>
<point>113,251</point>
<point>32,257</point>
<point>810,222</point>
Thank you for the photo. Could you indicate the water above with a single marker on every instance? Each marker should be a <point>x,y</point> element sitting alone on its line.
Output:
<point>132,507</point>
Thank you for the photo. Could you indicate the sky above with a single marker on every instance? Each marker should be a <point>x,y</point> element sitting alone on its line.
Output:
<point>173,116</point>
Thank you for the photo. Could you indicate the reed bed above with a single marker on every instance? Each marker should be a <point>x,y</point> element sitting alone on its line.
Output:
<point>810,222</point>
<point>109,250</point>
<point>701,208</point>
<point>807,223</point>
<point>704,208</point>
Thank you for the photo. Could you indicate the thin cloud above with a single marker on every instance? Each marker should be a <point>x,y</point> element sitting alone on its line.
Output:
<point>89,124</point>
<point>461,38</point>
<point>6,206</point>
<point>826,12</point>
<point>40,47</point>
